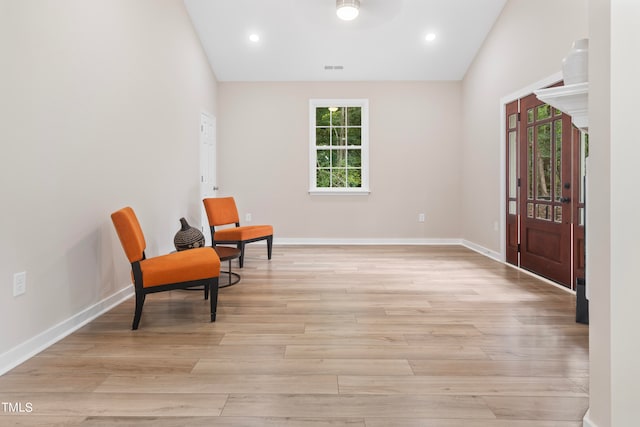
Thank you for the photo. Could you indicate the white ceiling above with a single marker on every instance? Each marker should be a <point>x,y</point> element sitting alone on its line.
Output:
<point>298,38</point>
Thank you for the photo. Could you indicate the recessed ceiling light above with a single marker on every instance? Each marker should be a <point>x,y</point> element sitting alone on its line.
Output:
<point>254,38</point>
<point>347,10</point>
<point>430,37</point>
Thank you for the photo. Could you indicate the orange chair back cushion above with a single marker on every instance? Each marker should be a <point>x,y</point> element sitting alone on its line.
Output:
<point>130,234</point>
<point>221,210</point>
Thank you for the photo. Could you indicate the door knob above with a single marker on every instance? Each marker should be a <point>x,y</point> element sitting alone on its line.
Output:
<point>565,199</point>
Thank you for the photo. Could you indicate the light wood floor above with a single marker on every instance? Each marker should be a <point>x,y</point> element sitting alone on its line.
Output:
<point>325,336</point>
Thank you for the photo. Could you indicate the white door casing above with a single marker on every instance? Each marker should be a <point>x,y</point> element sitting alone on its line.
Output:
<point>208,186</point>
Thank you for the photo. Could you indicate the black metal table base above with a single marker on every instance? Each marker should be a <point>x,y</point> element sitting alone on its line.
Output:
<point>232,279</point>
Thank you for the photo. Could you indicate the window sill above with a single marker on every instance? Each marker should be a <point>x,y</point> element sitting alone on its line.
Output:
<point>340,192</point>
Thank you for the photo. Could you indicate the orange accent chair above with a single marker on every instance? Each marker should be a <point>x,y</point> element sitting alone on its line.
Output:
<point>178,270</point>
<point>223,211</point>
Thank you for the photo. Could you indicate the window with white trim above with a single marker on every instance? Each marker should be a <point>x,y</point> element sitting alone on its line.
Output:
<point>339,146</point>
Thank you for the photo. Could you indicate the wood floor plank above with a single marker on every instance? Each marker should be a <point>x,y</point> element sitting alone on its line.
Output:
<point>430,422</point>
<point>447,329</point>
<point>120,404</point>
<point>511,368</point>
<point>383,352</point>
<point>562,329</point>
<point>280,317</point>
<point>569,343</point>
<point>140,338</point>
<point>221,384</point>
<point>347,305</point>
<point>534,353</point>
<point>468,385</point>
<point>337,338</point>
<point>325,336</point>
<point>170,351</point>
<point>15,382</point>
<point>390,406</point>
<point>538,407</point>
<point>34,420</point>
<point>108,365</point>
<point>221,422</point>
<point>303,367</point>
<point>438,318</point>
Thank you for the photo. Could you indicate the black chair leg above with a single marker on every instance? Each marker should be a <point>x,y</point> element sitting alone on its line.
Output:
<point>213,284</point>
<point>269,246</point>
<point>241,259</point>
<point>138,313</point>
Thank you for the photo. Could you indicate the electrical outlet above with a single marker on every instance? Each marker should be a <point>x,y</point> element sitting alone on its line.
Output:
<point>19,283</point>
<point>420,217</point>
<point>247,217</point>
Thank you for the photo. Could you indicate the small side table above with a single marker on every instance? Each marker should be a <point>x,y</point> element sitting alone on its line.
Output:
<point>226,253</point>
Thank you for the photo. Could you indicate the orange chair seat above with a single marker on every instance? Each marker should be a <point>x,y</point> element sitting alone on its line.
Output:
<point>184,266</point>
<point>245,232</point>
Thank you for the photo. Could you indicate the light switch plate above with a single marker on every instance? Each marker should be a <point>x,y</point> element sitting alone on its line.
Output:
<point>19,283</point>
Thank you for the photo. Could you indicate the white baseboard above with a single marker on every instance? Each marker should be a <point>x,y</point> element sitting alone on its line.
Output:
<point>22,352</point>
<point>374,241</point>
<point>482,250</point>
<point>542,279</point>
<point>586,421</point>
<point>496,256</point>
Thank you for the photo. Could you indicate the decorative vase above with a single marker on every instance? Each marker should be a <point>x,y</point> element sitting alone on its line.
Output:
<point>575,66</point>
<point>188,237</point>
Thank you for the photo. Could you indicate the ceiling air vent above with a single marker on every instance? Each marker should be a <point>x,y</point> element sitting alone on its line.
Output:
<point>334,67</point>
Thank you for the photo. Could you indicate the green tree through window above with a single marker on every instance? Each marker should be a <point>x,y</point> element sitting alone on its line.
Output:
<point>339,145</point>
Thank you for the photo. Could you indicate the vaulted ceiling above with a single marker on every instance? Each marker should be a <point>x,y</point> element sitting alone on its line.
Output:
<point>303,40</point>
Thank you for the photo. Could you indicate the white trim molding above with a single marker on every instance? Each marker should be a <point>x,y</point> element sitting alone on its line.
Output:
<point>586,421</point>
<point>482,250</point>
<point>572,100</point>
<point>22,352</point>
<point>338,192</point>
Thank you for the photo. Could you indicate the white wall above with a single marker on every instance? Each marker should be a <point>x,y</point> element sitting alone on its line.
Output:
<point>625,207</point>
<point>625,211</point>
<point>612,213</point>
<point>415,136</point>
<point>99,107</point>
<point>526,45</point>
<point>598,215</point>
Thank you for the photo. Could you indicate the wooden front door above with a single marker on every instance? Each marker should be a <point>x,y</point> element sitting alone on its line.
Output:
<point>540,189</point>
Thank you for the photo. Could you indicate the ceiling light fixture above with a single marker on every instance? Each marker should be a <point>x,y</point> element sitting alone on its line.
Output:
<point>347,10</point>
<point>254,38</point>
<point>430,37</point>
